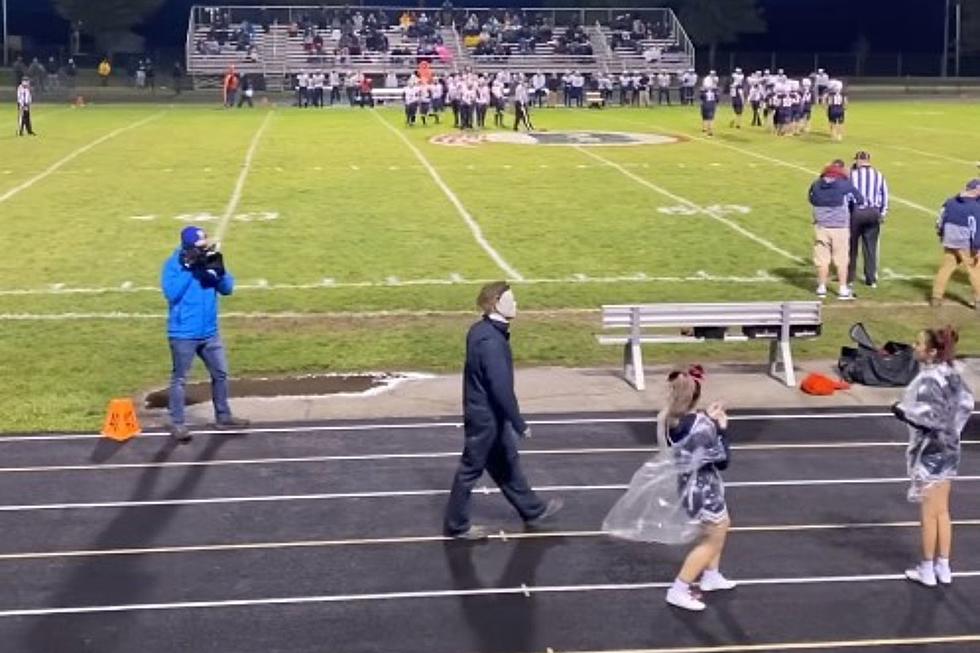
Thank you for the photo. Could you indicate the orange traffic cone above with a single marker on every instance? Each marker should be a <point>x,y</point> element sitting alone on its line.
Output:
<point>121,422</point>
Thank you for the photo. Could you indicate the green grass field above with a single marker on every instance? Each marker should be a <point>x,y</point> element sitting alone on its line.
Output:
<point>349,256</point>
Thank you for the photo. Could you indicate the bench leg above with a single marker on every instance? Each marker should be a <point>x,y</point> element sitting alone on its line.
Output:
<point>633,365</point>
<point>780,355</point>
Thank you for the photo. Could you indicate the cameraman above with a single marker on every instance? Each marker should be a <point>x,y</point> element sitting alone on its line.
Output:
<point>191,280</point>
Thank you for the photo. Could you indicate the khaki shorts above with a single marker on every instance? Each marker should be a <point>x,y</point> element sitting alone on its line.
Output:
<point>831,246</point>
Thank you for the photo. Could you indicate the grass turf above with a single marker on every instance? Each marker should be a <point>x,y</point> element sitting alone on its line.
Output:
<point>360,221</point>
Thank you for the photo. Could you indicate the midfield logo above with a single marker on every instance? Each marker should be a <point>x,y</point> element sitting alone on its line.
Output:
<point>561,139</point>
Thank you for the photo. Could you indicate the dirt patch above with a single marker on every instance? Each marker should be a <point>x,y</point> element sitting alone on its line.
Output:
<point>292,386</point>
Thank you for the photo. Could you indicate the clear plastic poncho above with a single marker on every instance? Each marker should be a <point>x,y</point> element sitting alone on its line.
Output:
<point>653,510</point>
<point>936,405</point>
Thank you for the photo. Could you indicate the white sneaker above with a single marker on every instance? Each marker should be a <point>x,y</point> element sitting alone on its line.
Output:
<point>682,599</point>
<point>846,295</point>
<point>924,574</point>
<point>821,291</point>
<point>714,581</point>
<point>943,573</point>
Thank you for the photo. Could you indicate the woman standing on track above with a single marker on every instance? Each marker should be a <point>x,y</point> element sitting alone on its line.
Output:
<point>936,407</point>
<point>679,494</point>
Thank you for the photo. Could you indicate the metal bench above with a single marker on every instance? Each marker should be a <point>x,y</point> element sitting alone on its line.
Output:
<point>644,324</point>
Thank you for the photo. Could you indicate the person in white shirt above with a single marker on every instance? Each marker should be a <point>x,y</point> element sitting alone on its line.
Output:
<point>25,98</point>
<point>303,89</point>
<point>663,87</point>
<point>467,104</point>
<point>437,93</point>
<point>482,103</point>
<point>578,88</point>
<point>539,83</point>
<point>498,93</point>
<point>454,94</point>
<point>522,114</point>
<point>334,87</point>
<point>411,93</point>
<point>318,80</point>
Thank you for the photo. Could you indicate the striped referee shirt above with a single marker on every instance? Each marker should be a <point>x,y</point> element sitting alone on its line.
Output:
<point>872,185</point>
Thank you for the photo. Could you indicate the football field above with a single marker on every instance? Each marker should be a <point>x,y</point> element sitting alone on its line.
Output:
<point>358,243</point>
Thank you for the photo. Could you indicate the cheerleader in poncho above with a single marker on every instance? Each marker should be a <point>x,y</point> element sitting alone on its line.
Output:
<point>678,495</point>
<point>936,407</point>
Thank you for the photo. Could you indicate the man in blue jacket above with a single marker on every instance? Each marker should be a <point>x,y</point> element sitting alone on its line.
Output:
<point>830,196</point>
<point>957,228</point>
<point>192,279</point>
<point>492,420</point>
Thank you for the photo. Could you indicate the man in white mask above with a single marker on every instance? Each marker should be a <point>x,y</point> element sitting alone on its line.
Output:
<point>492,420</point>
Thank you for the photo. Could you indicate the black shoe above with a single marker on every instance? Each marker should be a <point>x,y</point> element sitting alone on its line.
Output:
<point>549,511</point>
<point>180,433</point>
<point>231,423</point>
<point>472,534</point>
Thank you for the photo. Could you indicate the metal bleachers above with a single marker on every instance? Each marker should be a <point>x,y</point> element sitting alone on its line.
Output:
<point>280,50</point>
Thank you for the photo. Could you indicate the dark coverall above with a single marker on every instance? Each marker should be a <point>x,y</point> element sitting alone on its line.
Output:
<point>491,423</point>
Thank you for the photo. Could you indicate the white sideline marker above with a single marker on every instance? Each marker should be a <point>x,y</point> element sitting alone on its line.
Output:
<point>236,195</point>
<point>504,266</point>
<point>54,167</point>
<point>709,211</point>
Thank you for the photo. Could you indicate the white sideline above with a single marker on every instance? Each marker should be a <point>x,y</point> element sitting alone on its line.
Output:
<point>501,536</point>
<point>523,590</point>
<point>75,154</point>
<point>787,164</point>
<point>236,195</point>
<point>761,276</point>
<point>504,266</point>
<point>382,494</point>
<point>381,427</point>
<point>373,457</point>
<point>775,647</point>
<point>715,215</point>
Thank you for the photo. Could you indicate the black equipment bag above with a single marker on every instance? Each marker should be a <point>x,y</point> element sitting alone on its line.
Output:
<point>893,365</point>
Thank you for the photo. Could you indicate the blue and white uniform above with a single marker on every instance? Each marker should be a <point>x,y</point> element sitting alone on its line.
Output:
<point>709,103</point>
<point>836,106</point>
<point>700,451</point>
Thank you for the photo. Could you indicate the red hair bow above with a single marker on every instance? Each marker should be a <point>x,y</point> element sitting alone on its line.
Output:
<point>696,372</point>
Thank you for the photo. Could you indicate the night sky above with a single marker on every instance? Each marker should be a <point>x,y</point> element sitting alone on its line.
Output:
<point>794,25</point>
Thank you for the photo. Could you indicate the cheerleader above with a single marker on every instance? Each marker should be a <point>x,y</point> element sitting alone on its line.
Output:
<point>679,496</point>
<point>936,406</point>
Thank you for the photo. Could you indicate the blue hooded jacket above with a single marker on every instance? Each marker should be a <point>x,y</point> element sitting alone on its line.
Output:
<point>957,224</point>
<point>193,299</point>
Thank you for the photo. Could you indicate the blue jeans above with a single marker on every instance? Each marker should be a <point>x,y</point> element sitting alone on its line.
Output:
<point>212,352</point>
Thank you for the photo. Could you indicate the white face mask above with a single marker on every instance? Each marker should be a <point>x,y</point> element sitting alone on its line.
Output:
<point>507,306</point>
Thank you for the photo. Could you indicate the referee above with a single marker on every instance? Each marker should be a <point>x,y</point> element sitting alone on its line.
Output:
<point>24,101</point>
<point>867,218</point>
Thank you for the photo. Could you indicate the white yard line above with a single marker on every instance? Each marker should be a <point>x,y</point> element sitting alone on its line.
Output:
<point>501,536</point>
<point>522,590</point>
<point>75,154</point>
<point>715,215</point>
<point>811,172</point>
<point>236,195</point>
<point>401,494</point>
<point>474,227</point>
<point>932,155</point>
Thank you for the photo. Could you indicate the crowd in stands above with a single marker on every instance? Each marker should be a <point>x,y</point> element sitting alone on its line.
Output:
<point>45,77</point>
<point>505,33</point>
<point>223,37</point>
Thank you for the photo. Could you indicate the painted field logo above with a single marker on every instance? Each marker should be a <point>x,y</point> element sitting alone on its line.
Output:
<point>560,138</point>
